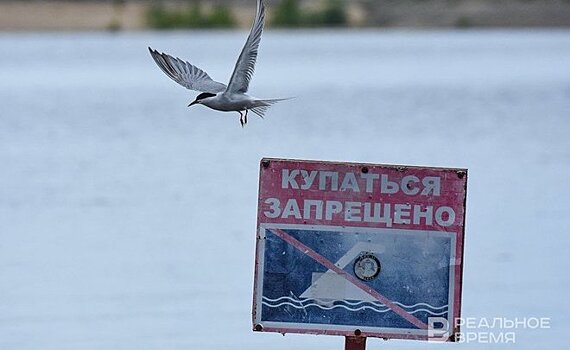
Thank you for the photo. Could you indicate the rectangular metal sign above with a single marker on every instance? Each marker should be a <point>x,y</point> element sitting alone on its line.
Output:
<point>359,249</point>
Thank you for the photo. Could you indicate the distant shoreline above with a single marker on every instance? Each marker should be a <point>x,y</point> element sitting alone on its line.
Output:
<point>131,15</point>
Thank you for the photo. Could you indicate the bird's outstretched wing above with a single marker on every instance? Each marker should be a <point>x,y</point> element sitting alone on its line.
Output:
<point>245,65</point>
<point>185,74</point>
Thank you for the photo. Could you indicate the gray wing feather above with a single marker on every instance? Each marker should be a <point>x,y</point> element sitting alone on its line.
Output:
<point>185,74</point>
<point>245,65</point>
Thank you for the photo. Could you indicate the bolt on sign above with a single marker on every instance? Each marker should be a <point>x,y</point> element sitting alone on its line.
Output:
<point>359,249</point>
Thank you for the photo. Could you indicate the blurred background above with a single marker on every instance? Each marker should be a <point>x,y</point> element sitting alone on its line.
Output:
<point>145,14</point>
<point>127,220</point>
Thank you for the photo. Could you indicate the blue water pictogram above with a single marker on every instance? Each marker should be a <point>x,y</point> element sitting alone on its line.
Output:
<point>414,276</point>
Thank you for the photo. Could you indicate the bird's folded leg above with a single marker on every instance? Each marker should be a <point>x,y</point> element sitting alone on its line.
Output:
<point>245,117</point>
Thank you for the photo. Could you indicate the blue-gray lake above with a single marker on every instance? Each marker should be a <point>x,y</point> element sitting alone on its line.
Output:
<point>127,220</point>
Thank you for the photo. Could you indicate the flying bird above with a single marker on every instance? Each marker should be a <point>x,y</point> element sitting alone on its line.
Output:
<point>216,95</point>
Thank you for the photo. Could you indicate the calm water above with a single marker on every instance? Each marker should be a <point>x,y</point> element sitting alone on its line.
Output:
<point>127,220</point>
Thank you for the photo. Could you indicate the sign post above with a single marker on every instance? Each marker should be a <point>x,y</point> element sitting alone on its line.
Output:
<point>359,250</point>
<point>354,343</point>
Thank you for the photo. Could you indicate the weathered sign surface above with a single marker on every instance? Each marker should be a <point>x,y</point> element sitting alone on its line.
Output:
<point>371,250</point>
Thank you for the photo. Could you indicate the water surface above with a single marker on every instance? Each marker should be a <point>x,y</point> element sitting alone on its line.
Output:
<point>127,220</point>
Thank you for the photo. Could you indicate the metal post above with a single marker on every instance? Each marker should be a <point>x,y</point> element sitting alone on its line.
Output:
<point>355,343</point>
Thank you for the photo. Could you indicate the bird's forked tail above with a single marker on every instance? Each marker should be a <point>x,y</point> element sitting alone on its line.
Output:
<point>263,105</point>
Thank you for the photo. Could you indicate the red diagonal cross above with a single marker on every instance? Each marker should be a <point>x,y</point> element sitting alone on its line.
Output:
<point>329,265</point>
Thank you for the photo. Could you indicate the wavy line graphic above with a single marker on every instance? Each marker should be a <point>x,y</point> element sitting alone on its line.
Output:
<point>354,304</point>
<point>325,307</point>
<point>365,307</point>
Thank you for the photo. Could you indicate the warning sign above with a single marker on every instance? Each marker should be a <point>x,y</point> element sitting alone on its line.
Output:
<point>359,249</point>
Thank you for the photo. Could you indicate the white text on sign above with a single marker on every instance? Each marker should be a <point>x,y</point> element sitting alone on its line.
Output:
<point>373,212</point>
<point>330,180</point>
